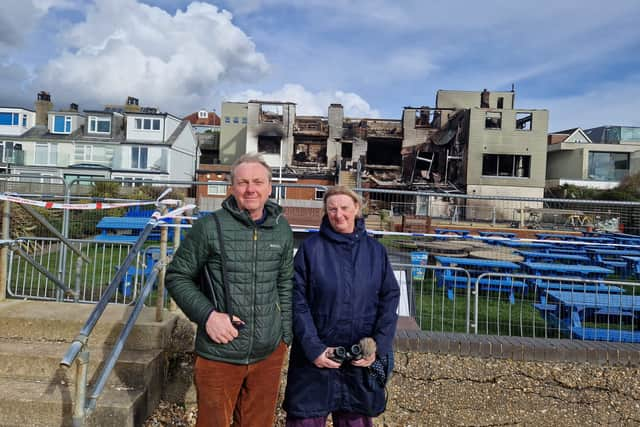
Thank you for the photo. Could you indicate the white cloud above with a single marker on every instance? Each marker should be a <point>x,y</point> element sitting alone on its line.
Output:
<point>312,104</point>
<point>174,62</point>
<point>615,103</point>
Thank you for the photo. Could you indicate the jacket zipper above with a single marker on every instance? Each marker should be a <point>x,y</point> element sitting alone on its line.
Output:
<point>253,275</point>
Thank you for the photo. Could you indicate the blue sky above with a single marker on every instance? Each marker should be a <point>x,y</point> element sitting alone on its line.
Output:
<point>578,59</point>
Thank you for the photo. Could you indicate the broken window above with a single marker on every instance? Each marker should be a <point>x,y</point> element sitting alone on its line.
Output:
<point>346,151</point>
<point>493,120</point>
<point>524,121</point>
<point>269,144</point>
<point>506,165</point>
<point>271,113</point>
<point>424,117</point>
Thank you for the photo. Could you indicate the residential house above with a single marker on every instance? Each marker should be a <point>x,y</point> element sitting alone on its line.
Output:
<point>206,125</point>
<point>597,158</point>
<point>141,146</point>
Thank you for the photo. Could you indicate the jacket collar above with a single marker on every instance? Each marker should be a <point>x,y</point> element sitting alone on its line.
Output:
<point>328,232</point>
<point>272,209</point>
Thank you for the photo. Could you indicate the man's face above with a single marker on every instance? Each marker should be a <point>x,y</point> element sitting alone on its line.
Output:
<point>251,188</point>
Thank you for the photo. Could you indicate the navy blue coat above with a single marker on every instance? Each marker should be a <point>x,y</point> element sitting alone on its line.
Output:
<point>344,290</point>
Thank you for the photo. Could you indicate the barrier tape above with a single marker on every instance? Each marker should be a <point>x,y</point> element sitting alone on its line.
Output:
<point>81,206</point>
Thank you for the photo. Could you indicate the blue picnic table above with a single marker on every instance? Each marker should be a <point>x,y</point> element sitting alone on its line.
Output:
<point>124,229</point>
<point>570,310</point>
<point>476,267</point>
<point>533,256</point>
<point>452,231</point>
<point>612,258</point>
<point>586,271</point>
<point>497,234</point>
<point>523,244</point>
<point>633,265</point>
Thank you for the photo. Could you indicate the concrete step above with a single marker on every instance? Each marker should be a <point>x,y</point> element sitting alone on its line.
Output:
<point>40,361</point>
<point>48,403</point>
<point>52,321</point>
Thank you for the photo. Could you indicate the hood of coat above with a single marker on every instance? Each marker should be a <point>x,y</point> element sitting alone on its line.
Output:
<point>273,210</point>
<point>328,232</point>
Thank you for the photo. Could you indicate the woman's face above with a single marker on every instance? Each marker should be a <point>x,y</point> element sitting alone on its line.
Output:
<point>342,211</point>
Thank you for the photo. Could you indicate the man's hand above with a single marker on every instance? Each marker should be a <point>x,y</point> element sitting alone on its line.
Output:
<point>323,360</point>
<point>220,329</point>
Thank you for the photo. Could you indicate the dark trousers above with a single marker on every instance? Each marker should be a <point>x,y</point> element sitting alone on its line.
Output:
<point>340,419</point>
<point>246,393</point>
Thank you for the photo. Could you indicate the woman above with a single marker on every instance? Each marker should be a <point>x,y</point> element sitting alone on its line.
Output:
<point>344,291</point>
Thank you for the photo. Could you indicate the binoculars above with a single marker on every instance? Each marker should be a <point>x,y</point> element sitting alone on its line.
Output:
<point>342,354</point>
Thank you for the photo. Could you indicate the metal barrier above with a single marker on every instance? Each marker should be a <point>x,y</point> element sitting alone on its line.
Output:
<point>90,282</point>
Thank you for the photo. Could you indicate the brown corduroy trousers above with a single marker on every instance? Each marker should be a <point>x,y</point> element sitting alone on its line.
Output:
<point>246,393</point>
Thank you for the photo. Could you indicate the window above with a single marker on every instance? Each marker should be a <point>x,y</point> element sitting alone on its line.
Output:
<point>236,120</point>
<point>6,152</point>
<point>203,114</point>
<point>524,121</point>
<point>84,153</point>
<point>46,154</point>
<point>319,193</point>
<point>269,144</point>
<point>506,165</point>
<point>500,102</point>
<point>278,192</point>
<point>99,124</point>
<point>605,166</point>
<point>244,120</point>
<point>62,124</point>
<point>148,124</point>
<point>227,119</point>
<point>24,120</point>
<point>9,119</point>
<point>493,120</point>
<point>216,189</point>
<point>139,157</point>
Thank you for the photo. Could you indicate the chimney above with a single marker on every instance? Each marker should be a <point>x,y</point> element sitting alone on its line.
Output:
<point>43,105</point>
<point>132,105</point>
<point>73,107</point>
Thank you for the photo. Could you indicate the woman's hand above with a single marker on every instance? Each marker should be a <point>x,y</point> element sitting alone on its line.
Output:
<point>365,361</point>
<point>323,360</point>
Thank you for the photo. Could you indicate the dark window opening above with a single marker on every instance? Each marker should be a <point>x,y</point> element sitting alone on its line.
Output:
<point>381,152</point>
<point>346,151</point>
<point>506,165</point>
<point>493,120</point>
<point>500,102</point>
<point>269,144</point>
<point>524,121</point>
<point>309,152</point>
<point>426,117</point>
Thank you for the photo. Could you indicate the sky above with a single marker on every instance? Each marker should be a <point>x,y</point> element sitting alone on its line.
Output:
<point>579,59</point>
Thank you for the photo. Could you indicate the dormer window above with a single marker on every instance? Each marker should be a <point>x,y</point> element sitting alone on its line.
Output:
<point>99,124</point>
<point>62,124</point>
<point>203,114</point>
<point>9,119</point>
<point>147,124</point>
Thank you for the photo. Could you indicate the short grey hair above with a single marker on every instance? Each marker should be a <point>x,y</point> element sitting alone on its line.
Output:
<point>345,191</point>
<point>249,158</point>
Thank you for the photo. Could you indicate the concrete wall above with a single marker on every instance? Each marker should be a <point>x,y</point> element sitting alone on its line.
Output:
<point>567,164</point>
<point>504,210</point>
<point>255,128</point>
<point>334,144</point>
<point>233,136</point>
<point>635,162</point>
<point>507,140</point>
<point>471,99</point>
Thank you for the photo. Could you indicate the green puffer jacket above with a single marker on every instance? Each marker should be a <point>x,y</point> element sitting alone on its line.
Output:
<point>260,269</point>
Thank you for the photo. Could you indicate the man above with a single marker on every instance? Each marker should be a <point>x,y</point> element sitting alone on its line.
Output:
<point>238,364</point>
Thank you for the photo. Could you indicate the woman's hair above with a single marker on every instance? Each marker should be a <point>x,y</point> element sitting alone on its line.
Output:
<point>249,158</point>
<point>342,190</point>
